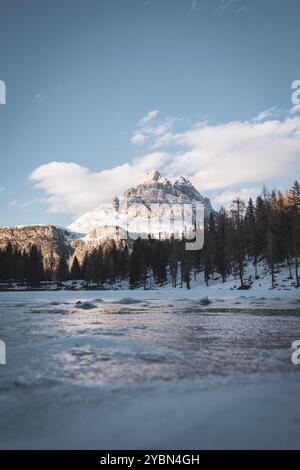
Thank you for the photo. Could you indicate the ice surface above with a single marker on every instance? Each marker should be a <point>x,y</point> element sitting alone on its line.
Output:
<point>164,371</point>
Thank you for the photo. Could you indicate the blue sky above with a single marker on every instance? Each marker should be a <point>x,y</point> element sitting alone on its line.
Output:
<point>81,75</point>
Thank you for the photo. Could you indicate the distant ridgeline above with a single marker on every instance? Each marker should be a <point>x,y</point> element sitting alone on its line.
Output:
<point>92,250</point>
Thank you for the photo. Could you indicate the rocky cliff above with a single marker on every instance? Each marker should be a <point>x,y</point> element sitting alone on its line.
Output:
<point>51,240</point>
<point>154,196</point>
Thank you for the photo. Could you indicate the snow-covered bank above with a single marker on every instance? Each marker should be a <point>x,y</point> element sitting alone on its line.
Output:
<point>257,281</point>
<point>211,297</point>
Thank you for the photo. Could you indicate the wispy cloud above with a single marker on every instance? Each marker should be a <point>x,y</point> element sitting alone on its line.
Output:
<point>147,130</point>
<point>231,5</point>
<point>140,135</point>
<point>148,118</point>
<point>267,114</point>
<point>194,5</point>
<point>39,97</point>
<point>32,202</point>
<point>23,205</point>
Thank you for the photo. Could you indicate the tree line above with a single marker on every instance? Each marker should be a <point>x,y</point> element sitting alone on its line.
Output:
<point>21,266</point>
<point>265,229</point>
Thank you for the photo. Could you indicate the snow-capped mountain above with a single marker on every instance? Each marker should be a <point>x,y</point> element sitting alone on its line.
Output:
<point>154,206</point>
<point>149,207</point>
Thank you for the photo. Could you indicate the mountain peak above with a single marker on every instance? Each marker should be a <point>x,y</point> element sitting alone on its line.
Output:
<point>182,180</point>
<point>154,189</point>
<point>152,175</point>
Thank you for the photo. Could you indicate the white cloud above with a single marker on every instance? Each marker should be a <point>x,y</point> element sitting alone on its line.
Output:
<point>158,130</point>
<point>2,188</point>
<point>74,189</point>
<point>138,138</point>
<point>236,153</point>
<point>239,154</point>
<point>148,118</point>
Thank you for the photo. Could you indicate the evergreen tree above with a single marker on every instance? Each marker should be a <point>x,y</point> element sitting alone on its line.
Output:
<point>137,270</point>
<point>90,268</point>
<point>237,212</point>
<point>295,227</point>
<point>62,269</point>
<point>75,273</point>
<point>34,271</point>
<point>222,246</point>
<point>174,258</point>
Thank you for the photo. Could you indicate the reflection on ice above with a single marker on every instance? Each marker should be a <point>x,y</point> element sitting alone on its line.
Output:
<point>132,341</point>
<point>160,362</point>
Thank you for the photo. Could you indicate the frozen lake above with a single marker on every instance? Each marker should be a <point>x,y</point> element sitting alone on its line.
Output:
<point>149,370</point>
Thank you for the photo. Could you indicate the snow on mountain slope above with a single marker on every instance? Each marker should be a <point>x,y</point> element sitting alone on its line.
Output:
<point>154,198</point>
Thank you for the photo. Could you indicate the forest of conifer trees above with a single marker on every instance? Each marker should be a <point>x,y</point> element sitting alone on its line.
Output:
<point>266,229</point>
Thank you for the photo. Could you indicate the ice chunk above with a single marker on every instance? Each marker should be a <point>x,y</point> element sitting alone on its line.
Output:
<point>129,300</point>
<point>85,305</point>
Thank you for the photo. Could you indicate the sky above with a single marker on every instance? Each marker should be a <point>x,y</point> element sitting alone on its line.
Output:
<point>100,91</point>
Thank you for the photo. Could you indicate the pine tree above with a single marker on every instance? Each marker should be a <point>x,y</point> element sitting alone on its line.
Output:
<point>222,245</point>
<point>137,272</point>
<point>237,211</point>
<point>62,269</point>
<point>174,256</point>
<point>90,269</point>
<point>270,240</point>
<point>34,270</point>
<point>75,273</point>
<point>295,226</point>
<point>124,263</point>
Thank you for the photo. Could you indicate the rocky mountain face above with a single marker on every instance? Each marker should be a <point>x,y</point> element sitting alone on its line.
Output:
<point>156,189</point>
<point>154,199</point>
<point>51,240</point>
